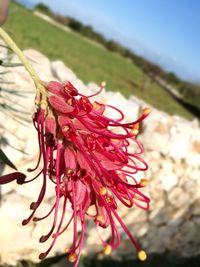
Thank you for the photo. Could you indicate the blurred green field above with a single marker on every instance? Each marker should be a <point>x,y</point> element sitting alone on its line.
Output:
<point>88,60</point>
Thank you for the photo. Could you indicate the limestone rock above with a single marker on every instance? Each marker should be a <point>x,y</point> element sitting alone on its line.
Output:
<point>63,73</point>
<point>3,50</point>
<point>178,197</point>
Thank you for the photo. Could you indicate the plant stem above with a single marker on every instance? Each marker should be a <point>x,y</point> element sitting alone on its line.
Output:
<point>38,83</point>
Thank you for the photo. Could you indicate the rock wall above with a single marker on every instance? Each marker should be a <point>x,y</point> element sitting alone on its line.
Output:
<point>172,146</point>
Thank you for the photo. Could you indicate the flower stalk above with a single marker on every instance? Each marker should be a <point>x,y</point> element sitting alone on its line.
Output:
<point>40,88</point>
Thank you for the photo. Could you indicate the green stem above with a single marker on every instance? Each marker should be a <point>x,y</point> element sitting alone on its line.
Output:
<point>38,83</point>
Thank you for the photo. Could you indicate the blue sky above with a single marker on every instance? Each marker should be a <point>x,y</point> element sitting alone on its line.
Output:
<point>165,31</point>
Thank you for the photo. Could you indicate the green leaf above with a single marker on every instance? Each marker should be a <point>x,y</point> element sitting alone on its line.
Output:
<point>5,159</point>
<point>5,46</point>
<point>7,64</point>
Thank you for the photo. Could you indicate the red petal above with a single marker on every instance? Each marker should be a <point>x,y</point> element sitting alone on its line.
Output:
<point>69,88</point>
<point>80,192</point>
<point>54,87</point>
<point>59,104</point>
<point>102,218</point>
<point>84,163</point>
<point>50,125</point>
<point>70,159</point>
<point>63,120</point>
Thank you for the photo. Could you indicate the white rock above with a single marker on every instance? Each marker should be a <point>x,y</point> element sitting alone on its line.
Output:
<point>3,50</point>
<point>159,238</point>
<point>156,132</point>
<point>168,179</point>
<point>63,73</point>
<point>178,197</point>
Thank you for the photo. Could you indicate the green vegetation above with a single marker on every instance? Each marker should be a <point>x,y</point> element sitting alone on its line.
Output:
<point>89,60</point>
<point>190,91</point>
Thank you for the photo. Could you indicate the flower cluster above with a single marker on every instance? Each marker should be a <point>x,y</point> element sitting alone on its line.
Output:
<point>87,156</point>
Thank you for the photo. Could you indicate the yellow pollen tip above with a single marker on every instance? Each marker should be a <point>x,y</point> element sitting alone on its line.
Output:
<point>144,182</point>
<point>107,249</point>
<point>69,172</point>
<point>114,140</point>
<point>109,200</point>
<point>96,106</point>
<point>142,256</point>
<point>102,191</point>
<point>72,257</point>
<point>66,128</point>
<point>136,196</point>
<point>103,84</point>
<point>135,129</point>
<point>135,132</point>
<point>136,126</point>
<point>146,111</point>
<point>127,201</point>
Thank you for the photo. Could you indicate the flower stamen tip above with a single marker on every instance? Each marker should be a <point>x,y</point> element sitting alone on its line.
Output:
<point>135,129</point>
<point>69,172</point>
<point>107,249</point>
<point>102,191</point>
<point>109,200</point>
<point>65,128</point>
<point>42,256</point>
<point>142,256</point>
<point>146,111</point>
<point>144,182</point>
<point>72,257</point>
<point>134,132</point>
<point>136,196</point>
<point>103,84</point>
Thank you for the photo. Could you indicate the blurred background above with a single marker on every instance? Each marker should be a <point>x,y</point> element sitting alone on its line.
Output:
<point>148,53</point>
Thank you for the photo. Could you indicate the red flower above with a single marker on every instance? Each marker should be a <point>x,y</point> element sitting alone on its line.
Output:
<point>87,156</point>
